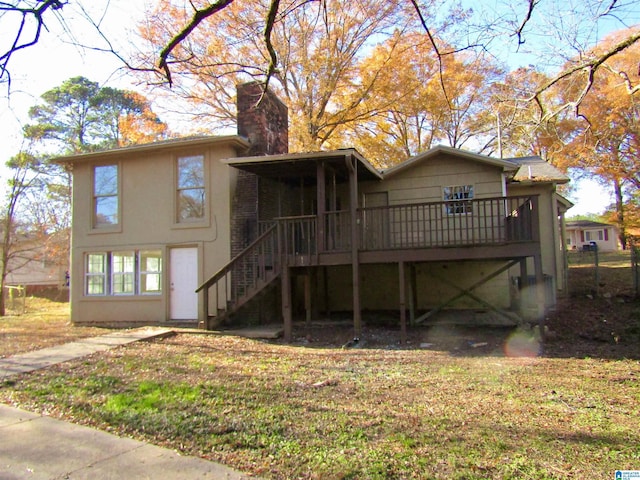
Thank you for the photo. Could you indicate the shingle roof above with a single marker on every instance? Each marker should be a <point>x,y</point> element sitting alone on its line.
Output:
<point>586,224</point>
<point>535,169</point>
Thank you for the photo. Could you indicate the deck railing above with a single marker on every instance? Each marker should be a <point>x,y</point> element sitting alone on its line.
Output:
<point>490,221</point>
<point>449,224</point>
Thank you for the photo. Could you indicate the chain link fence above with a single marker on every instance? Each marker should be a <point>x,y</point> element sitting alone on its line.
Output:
<point>605,274</point>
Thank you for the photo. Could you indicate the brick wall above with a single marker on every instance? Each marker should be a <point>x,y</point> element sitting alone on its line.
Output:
<point>262,119</point>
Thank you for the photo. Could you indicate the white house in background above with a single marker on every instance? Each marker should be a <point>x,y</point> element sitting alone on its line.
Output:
<point>581,235</point>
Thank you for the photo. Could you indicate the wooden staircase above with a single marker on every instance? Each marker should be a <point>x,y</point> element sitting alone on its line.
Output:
<point>248,274</point>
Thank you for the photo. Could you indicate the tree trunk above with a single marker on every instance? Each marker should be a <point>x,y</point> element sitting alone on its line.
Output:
<point>622,231</point>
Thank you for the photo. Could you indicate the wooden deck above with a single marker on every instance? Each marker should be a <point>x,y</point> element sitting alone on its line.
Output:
<point>504,228</point>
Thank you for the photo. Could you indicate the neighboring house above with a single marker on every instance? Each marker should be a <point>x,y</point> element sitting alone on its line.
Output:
<point>583,234</point>
<point>39,263</point>
<point>231,230</point>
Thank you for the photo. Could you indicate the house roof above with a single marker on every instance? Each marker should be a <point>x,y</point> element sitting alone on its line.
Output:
<point>304,164</point>
<point>184,142</point>
<point>441,149</point>
<point>536,170</point>
<point>565,203</point>
<point>578,224</point>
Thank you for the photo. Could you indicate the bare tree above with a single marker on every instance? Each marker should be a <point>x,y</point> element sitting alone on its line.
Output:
<point>27,19</point>
<point>12,253</point>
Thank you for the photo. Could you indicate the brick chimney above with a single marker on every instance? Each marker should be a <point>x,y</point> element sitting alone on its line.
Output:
<point>263,119</point>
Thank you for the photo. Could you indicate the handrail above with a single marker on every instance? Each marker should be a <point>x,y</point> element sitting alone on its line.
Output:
<point>224,270</point>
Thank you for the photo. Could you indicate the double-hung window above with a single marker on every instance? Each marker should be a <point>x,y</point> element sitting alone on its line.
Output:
<point>96,274</point>
<point>458,199</point>
<point>150,272</point>
<point>123,273</point>
<point>105,196</point>
<point>191,191</point>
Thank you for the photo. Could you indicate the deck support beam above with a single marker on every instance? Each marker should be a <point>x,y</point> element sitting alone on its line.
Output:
<point>287,315</point>
<point>540,295</point>
<point>413,294</point>
<point>352,167</point>
<point>307,297</point>
<point>403,306</point>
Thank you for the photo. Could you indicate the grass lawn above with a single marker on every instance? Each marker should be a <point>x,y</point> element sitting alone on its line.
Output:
<point>38,323</point>
<point>314,410</point>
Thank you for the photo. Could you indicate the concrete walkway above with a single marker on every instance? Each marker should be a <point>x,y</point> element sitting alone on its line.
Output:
<point>33,446</point>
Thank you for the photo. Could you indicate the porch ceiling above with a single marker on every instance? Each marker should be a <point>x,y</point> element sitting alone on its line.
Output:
<point>297,165</point>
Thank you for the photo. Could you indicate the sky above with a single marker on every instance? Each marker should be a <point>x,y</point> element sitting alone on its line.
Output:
<point>54,59</point>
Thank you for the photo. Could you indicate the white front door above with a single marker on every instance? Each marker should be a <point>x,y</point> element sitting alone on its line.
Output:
<point>184,281</point>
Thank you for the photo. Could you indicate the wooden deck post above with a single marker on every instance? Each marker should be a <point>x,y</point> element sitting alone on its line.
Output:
<point>540,295</point>
<point>321,201</point>
<point>523,291</point>
<point>325,289</point>
<point>286,303</point>
<point>205,307</point>
<point>352,166</point>
<point>307,296</point>
<point>413,294</point>
<point>403,306</point>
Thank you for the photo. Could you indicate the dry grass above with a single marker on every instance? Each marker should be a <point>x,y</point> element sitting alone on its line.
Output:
<point>469,404</point>
<point>39,324</point>
<point>283,412</point>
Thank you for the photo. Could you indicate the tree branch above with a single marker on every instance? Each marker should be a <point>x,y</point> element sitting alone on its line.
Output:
<point>198,17</point>
<point>37,13</point>
<point>518,33</point>
<point>589,67</point>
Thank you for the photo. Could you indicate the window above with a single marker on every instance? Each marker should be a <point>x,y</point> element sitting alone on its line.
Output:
<point>96,274</point>
<point>150,272</point>
<point>191,188</point>
<point>457,198</point>
<point>123,273</point>
<point>105,195</point>
<point>593,235</point>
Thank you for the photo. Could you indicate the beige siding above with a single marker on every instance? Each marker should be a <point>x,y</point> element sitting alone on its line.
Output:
<point>425,182</point>
<point>147,196</point>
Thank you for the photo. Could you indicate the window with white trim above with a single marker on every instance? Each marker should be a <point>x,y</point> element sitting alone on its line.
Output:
<point>191,191</point>
<point>150,273</point>
<point>105,196</point>
<point>458,199</point>
<point>593,235</point>
<point>123,273</point>
<point>96,274</point>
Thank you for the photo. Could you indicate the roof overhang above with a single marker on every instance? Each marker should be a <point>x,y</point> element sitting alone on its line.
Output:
<point>296,165</point>
<point>505,165</point>
<point>234,141</point>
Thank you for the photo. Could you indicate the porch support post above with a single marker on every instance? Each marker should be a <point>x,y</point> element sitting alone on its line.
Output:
<point>413,294</point>
<point>524,291</point>
<point>321,201</point>
<point>352,166</point>
<point>286,303</point>
<point>307,296</point>
<point>325,288</point>
<point>403,306</point>
<point>540,295</point>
